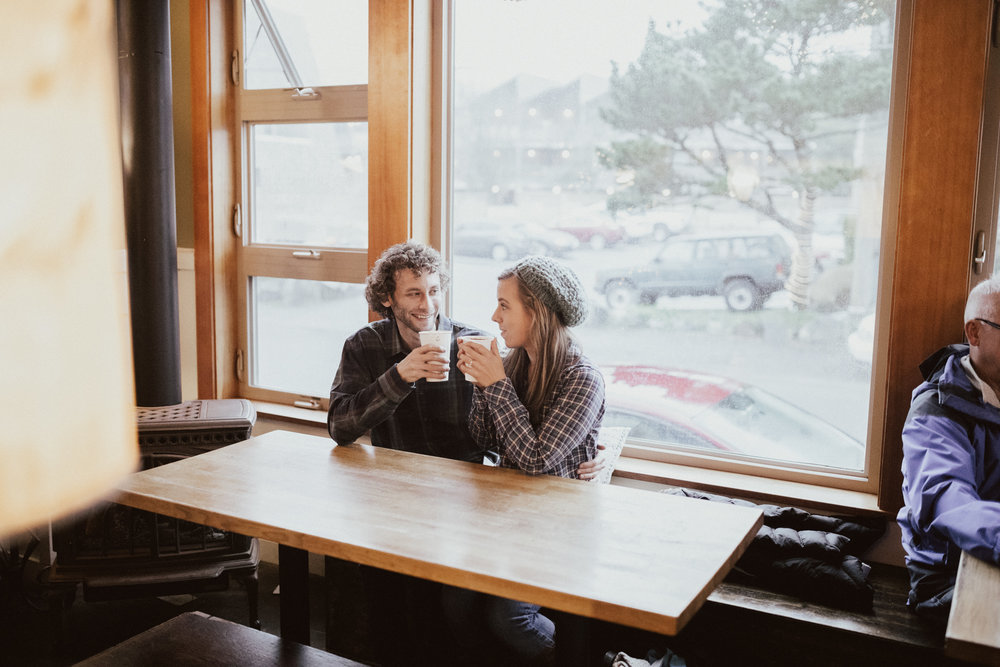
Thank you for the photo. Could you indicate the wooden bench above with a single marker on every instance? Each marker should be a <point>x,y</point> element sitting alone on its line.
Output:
<point>194,638</point>
<point>745,624</point>
<point>974,624</point>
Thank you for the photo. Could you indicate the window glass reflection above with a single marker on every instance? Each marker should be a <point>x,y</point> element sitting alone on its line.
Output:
<point>299,328</point>
<point>724,196</point>
<point>310,184</point>
<point>305,43</point>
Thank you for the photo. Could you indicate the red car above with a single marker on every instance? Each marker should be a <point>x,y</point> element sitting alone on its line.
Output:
<point>697,410</point>
<point>598,234</point>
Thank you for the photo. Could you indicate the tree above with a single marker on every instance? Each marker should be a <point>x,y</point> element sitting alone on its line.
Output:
<point>751,104</point>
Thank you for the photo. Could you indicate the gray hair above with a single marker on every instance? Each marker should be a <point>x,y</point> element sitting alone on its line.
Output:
<point>978,305</point>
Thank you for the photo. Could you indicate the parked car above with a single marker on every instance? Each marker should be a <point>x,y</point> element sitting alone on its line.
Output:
<point>551,242</point>
<point>710,412</point>
<point>503,241</point>
<point>656,224</point>
<point>746,268</point>
<point>596,232</point>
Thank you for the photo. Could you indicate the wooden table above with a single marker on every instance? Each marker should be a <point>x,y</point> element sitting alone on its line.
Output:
<point>625,555</point>
<point>974,622</point>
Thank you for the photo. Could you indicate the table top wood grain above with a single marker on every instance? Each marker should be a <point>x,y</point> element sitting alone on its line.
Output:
<point>973,631</point>
<point>625,555</point>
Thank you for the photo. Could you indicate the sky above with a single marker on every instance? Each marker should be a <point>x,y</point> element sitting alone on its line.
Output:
<point>556,39</point>
<point>494,39</point>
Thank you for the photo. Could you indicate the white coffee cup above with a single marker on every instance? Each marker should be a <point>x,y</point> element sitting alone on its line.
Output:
<point>443,340</point>
<point>485,341</point>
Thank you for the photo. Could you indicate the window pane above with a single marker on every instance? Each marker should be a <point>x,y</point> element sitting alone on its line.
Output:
<point>310,184</point>
<point>724,195</point>
<point>303,43</point>
<point>299,327</point>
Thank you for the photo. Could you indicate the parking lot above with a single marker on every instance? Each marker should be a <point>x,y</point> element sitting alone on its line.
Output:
<point>801,357</point>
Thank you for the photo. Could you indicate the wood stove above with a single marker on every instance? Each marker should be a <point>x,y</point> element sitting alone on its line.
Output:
<point>116,551</point>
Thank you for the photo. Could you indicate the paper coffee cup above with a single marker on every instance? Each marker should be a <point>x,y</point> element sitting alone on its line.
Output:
<point>485,341</point>
<point>441,339</point>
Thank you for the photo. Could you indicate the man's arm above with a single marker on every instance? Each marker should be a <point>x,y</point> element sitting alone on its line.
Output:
<point>360,399</point>
<point>942,490</point>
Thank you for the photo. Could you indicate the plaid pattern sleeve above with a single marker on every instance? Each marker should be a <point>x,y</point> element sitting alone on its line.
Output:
<point>367,388</point>
<point>480,423</point>
<point>568,433</point>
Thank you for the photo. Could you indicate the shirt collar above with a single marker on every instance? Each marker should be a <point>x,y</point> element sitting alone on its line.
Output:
<point>989,396</point>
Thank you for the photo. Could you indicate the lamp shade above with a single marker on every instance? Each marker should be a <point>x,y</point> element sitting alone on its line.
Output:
<point>68,429</point>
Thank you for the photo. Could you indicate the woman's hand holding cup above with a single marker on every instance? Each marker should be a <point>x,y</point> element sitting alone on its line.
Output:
<point>479,358</point>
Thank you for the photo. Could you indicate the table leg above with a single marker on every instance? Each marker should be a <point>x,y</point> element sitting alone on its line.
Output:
<point>293,575</point>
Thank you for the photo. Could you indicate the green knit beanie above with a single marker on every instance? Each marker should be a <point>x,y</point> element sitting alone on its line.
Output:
<point>555,285</point>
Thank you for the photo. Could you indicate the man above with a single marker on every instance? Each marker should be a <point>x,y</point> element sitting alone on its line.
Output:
<point>381,385</point>
<point>382,388</point>
<point>951,459</point>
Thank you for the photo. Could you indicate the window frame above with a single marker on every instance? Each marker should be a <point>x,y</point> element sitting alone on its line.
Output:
<point>329,104</point>
<point>941,53</point>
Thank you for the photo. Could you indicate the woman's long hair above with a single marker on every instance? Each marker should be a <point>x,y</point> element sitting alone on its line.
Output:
<point>535,382</point>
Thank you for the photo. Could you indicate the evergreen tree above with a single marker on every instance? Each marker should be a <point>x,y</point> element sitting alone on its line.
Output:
<point>762,77</point>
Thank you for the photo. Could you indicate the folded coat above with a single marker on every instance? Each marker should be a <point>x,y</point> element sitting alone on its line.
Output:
<point>811,556</point>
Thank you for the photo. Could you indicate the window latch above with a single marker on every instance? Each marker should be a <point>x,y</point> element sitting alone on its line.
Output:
<point>305,94</point>
<point>979,252</point>
<point>306,254</point>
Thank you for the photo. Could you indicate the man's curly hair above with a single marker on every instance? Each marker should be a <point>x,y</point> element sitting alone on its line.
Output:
<point>381,282</point>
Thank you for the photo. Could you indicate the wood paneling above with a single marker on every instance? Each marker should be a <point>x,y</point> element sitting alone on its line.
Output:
<point>202,197</point>
<point>215,192</point>
<point>936,197</point>
<point>389,126</point>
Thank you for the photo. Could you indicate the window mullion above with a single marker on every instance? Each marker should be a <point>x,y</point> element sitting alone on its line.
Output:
<point>330,104</point>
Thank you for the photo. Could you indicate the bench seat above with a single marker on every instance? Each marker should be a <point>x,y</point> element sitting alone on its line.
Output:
<point>745,624</point>
<point>195,638</point>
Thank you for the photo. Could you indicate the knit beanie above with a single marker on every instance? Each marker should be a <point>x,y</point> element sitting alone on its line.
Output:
<point>555,285</point>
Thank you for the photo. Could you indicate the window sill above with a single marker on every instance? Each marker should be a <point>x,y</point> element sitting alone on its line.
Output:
<point>278,412</point>
<point>631,471</point>
<point>642,472</point>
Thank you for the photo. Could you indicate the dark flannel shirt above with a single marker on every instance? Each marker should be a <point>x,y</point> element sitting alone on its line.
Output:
<point>423,417</point>
<point>567,434</point>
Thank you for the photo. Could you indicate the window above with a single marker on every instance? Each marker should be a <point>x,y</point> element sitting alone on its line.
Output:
<point>934,141</point>
<point>728,218</point>
<point>303,218</point>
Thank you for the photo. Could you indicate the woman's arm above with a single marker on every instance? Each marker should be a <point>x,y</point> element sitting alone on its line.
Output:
<point>562,441</point>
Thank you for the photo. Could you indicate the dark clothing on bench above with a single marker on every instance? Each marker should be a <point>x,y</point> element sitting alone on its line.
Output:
<point>810,556</point>
<point>931,589</point>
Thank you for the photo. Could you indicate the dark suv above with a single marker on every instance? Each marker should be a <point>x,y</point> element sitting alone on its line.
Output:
<point>745,267</point>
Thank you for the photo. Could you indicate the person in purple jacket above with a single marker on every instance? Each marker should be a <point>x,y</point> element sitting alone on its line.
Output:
<point>951,459</point>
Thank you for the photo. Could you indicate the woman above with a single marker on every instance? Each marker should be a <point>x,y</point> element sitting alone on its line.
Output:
<point>540,407</point>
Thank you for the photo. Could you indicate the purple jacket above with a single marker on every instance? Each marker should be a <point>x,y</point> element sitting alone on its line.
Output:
<point>951,467</point>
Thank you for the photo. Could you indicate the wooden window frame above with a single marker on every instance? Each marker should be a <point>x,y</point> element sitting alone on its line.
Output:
<point>929,208</point>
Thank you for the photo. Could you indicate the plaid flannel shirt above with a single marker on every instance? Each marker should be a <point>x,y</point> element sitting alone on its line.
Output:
<point>567,435</point>
<point>423,417</point>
